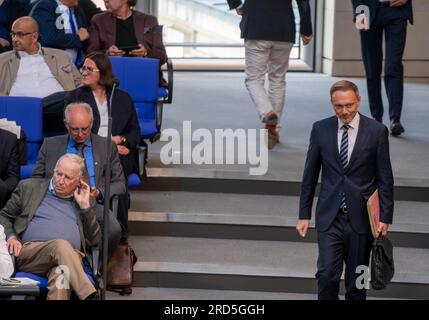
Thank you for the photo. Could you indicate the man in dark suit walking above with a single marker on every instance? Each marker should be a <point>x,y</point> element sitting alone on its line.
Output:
<point>391,18</point>
<point>9,165</point>
<point>268,29</point>
<point>353,153</point>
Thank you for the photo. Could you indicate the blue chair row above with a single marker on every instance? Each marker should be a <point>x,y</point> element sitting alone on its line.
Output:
<point>27,112</point>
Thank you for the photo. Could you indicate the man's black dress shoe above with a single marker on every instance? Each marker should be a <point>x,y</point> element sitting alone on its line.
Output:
<point>396,127</point>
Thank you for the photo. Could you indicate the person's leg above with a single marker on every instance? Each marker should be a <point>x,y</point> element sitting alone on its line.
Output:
<point>61,263</point>
<point>357,252</point>
<point>277,68</point>
<point>372,55</point>
<point>395,34</point>
<point>53,112</point>
<point>330,260</point>
<point>257,57</point>
<point>4,194</point>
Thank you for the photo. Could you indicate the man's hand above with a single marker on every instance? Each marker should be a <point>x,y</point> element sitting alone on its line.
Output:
<point>240,10</point>
<point>306,39</point>
<point>382,228</point>
<point>398,3</point>
<point>115,51</point>
<point>83,34</point>
<point>362,22</point>
<point>302,227</point>
<point>4,42</point>
<point>140,52</point>
<point>81,195</point>
<point>14,246</point>
<point>94,193</point>
<point>123,151</point>
<point>117,140</point>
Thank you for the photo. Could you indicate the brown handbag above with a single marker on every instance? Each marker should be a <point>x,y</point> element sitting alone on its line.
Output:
<point>120,270</point>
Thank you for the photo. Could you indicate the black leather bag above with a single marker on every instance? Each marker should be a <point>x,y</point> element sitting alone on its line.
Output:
<point>382,265</point>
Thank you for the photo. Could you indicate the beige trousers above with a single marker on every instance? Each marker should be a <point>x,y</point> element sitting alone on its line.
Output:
<point>61,263</point>
<point>272,58</point>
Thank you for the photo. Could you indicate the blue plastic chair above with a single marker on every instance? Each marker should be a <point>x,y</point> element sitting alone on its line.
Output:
<point>27,112</point>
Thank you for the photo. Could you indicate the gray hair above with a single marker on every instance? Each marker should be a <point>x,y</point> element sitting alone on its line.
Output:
<point>74,158</point>
<point>72,105</point>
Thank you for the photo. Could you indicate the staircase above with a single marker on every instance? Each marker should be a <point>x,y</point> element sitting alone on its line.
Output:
<point>198,235</point>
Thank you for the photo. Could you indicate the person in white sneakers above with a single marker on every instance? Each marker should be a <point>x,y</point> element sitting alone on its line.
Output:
<point>6,263</point>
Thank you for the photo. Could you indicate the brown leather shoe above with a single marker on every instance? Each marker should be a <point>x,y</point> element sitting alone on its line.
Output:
<point>271,119</point>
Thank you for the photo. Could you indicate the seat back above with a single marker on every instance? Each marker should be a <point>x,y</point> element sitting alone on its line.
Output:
<point>140,79</point>
<point>27,112</point>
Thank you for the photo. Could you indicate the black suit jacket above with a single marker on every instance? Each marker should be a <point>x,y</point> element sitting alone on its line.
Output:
<point>9,160</point>
<point>44,12</point>
<point>369,168</point>
<point>272,20</point>
<point>404,12</point>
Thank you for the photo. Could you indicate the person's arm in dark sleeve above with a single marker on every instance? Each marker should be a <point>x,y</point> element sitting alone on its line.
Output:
<point>312,167</point>
<point>11,210</point>
<point>158,49</point>
<point>305,17</point>
<point>51,36</point>
<point>133,136</point>
<point>234,4</point>
<point>12,177</point>
<point>39,170</point>
<point>384,178</point>
<point>94,37</point>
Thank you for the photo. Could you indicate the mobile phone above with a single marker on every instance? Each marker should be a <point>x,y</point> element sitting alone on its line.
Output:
<point>128,49</point>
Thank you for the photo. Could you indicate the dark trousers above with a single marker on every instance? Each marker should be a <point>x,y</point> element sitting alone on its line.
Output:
<point>4,194</point>
<point>395,32</point>
<point>338,245</point>
<point>114,230</point>
<point>53,114</point>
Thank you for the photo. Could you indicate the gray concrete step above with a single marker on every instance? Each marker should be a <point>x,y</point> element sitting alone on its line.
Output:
<point>154,293</point>
<point>225,181</point>
<point>269,266</point>
<point>239,216</point>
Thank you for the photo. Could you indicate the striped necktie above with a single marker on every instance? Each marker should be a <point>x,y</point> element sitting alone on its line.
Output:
<point>344,149</point>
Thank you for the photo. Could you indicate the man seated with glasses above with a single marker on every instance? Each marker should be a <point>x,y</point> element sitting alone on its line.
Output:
<point>34,71</point>
<point>49,223</point>
<point>78,119</point>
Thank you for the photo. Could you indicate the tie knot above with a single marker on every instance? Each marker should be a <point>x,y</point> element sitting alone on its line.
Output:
<point>346,127</point>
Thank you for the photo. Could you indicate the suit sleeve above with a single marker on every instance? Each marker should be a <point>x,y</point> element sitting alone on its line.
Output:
<point>384,178</point>
<point>39,170</point>
<point>77,77</point>
<point>11,210</point>
<point>312,167</point>
<point>91,228</point>
<point>234,3</point>
<point>305,17</point>
<point>117,185</point>
<point>157,50</point>
<point>52,36</point>
<point>133,136</point>
<point>12,177</point>
<point>94,37</point>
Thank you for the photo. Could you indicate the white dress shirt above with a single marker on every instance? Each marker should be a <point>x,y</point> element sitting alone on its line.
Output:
<point>6,263</point>
<point>104,115</point>
<point>34,78</point>
<point>353,131</point>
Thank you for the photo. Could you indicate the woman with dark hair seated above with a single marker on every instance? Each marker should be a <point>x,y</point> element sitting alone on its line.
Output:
<point>122,31</point>
<point>96,90</point>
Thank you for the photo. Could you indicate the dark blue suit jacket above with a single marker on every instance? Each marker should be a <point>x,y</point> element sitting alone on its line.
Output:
<point>404,12</point>
<point>369,168</point>
<point>44,12</point>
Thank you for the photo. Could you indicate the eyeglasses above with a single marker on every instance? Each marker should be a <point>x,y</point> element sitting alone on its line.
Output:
<point>77,130</point>
<point>19,35</point>
<point>88,69</point>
